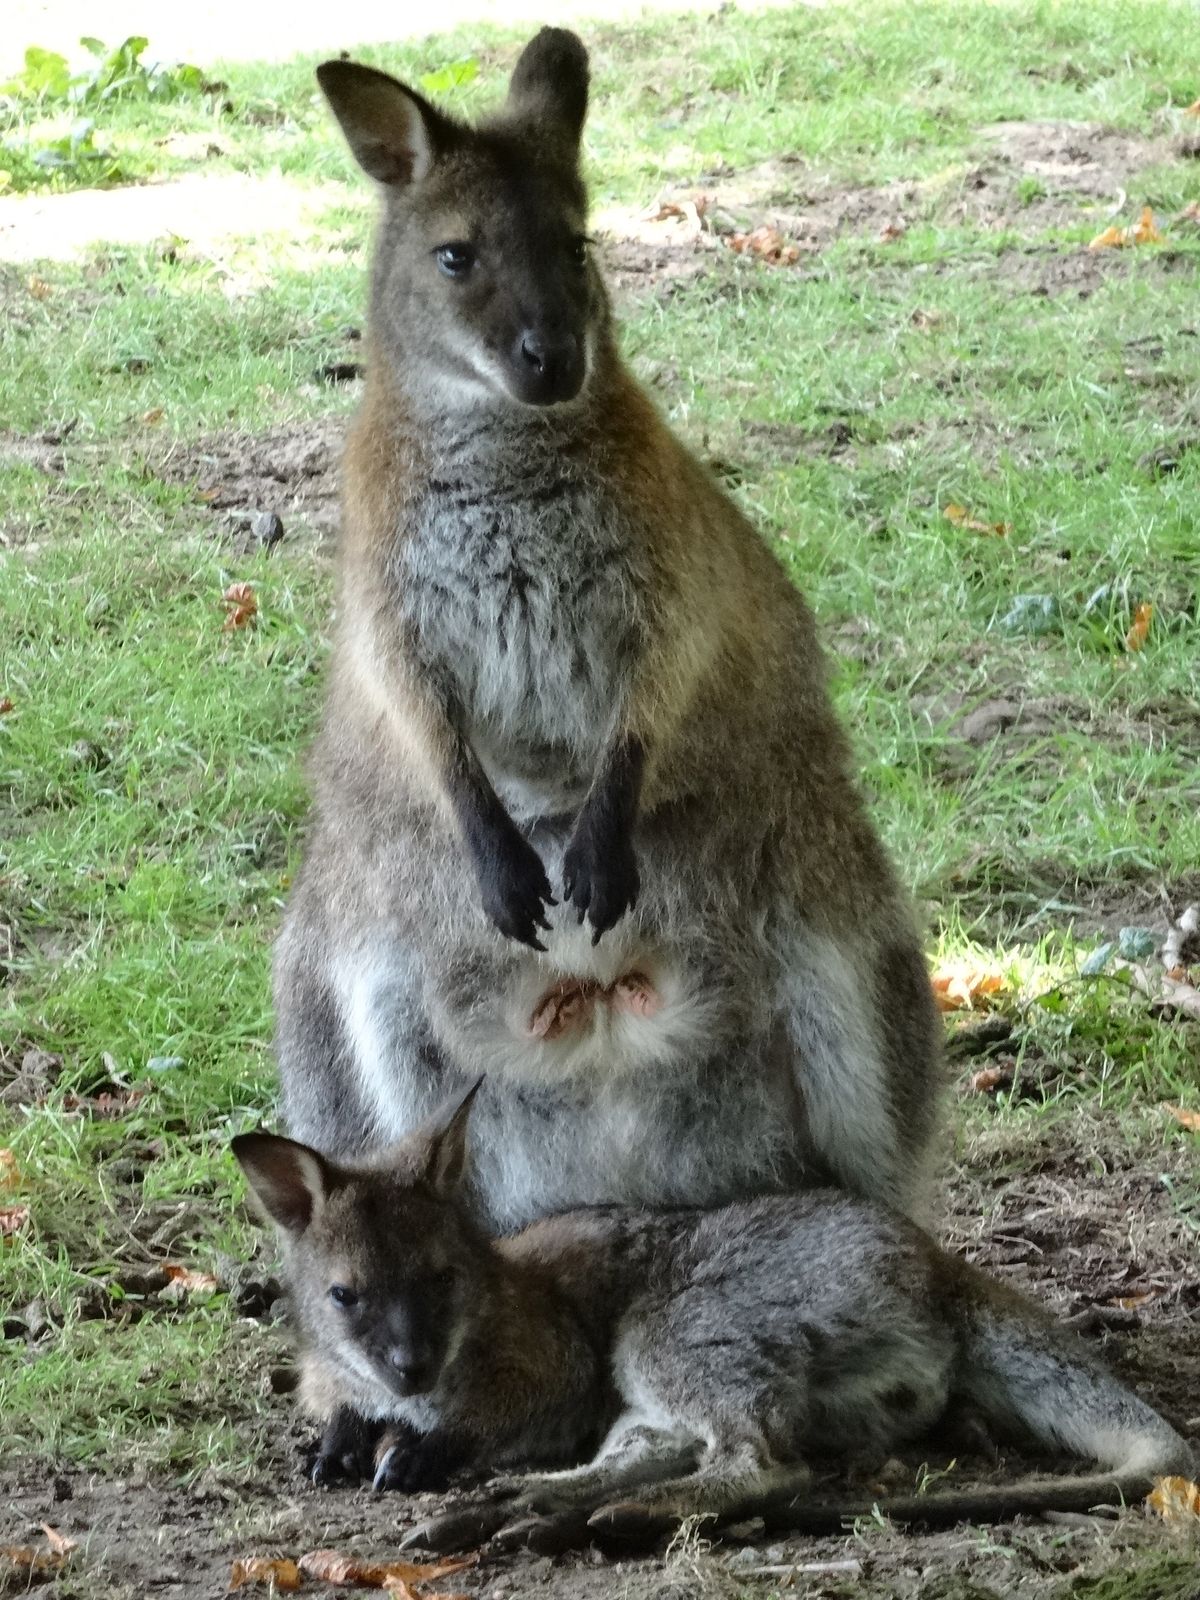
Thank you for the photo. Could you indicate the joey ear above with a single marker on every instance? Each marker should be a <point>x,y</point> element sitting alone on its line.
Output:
<point>447,1131</point>
<point>394,134</point>
<point>549,85</point>
<point>289,1180</point>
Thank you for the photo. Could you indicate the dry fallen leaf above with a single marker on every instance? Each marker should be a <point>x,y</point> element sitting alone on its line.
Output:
<point>154,415</point>
<point>242,603</point>
<point>988,1079</point>
<point>960,517</point>
<point>896,229</point>
<point>1133,1302</point>
<point>280,1573</point>
<point>1177,997</point>
<point>184,1281</point>
<point>767,243</point>
<point>1193,110</point>
<point>10,1173</point>
<point>12,1220</point>
<point>38,287</point>
<point>27,1565</point>
<point>1143,231</point>
<point>959,986</point>
<point>1185,1117</point>
<point>6,705</point>
<point>330,1566</point>
<point>1175,1499</point>
<point>689,212</point>
<point>60,1543</point>
<point>1139,629</point>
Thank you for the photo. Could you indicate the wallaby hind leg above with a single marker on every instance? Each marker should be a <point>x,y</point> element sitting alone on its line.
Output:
<point>734,1474</point>
<point>634,1454</point>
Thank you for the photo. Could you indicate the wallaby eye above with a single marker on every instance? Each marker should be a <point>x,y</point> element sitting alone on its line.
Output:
<point>341,1296</point>
<point>455,260</point>
<point>579,251</point>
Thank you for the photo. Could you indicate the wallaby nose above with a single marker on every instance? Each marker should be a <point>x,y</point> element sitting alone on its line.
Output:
<point>550,368</point>
<point>409,1372</point>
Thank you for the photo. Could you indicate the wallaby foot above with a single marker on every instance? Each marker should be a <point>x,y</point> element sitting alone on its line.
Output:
<point>411,1462</point>
<point>632,1455</point>
<point>345,1453</point>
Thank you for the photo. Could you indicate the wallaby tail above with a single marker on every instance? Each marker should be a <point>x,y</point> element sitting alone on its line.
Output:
<point>1031,1379</point>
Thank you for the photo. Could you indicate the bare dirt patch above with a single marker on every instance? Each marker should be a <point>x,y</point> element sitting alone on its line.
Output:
<point>291,471</point>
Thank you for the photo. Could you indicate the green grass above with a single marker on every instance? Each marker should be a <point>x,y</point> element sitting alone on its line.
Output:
<point>142,893</point>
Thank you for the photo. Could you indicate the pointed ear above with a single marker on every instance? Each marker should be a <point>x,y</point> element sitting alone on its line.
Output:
<point>549,85</point>
<point>289,1180</point>
<point>394,134</point>
<point>447,1132</point>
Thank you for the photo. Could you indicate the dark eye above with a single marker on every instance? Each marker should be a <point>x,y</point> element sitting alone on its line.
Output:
<point>341,1296</point>
<point>455,260</point>
<point>579,251</point>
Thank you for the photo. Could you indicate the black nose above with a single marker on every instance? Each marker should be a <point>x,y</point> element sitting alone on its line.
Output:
<point>410,1373</point>
<point>549,367</point>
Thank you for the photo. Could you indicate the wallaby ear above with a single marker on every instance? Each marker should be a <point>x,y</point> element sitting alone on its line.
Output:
<point>394,134</point>
<point>549,85</point>
<point>289,1180</point>
<point>447,1131</point>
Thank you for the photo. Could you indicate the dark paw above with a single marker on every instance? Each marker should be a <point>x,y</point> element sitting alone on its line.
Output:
<point>600,878</point>
<point>515,888</point>
<point>346,1453</point>
<point>413,1466</point>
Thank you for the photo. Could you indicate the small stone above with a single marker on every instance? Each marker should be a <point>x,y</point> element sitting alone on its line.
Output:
<point>987,721</point>
<point>87,753</point>
<point>1032,614</point>
<point>267,528</point>
<point>1097,961</point>
<point>747,1556</point>
<point>1136,943</point>
<point>164,1063</point>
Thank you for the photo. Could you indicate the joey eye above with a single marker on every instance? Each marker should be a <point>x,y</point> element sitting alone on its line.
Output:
<point>341,1296</point>
<point>455,260</point>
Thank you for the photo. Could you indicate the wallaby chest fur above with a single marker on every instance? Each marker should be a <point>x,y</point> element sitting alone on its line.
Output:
<point>583,814</point>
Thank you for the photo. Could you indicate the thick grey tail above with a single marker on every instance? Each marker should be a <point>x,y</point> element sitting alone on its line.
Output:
<point>1031,1379</point>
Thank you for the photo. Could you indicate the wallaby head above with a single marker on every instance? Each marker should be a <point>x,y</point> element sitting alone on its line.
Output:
<point>382,1261</point>
<point>483,282</point>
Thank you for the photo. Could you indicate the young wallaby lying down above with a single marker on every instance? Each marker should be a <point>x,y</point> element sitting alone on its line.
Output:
<point>570,680</point>
<point>705,1353</point>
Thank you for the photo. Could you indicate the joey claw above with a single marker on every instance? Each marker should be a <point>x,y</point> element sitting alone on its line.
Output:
<point>631,1522</point>
<point>456,1530</point>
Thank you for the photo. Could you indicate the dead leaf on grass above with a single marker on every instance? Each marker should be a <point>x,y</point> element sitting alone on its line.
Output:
<point>961,518</point>
<point>280,1572</point>
<point>1193,110</point>
<point>989,1079</point>
<point>242,605</point>
<point>10,1173</point>
<point>60,1543</point>
<point>12,1220</point>
<point>1134,1302</point>
<point>23,1562</point>
<point>896,229</point>
<point>154,416</point>
<point>1185,1117</point>
<point>690,212</point>
<point>184,1281</point>
<point>331,1566</point>
<point>767,243</point>
<point>6,705</point>
<point>105,1106</point>
<point>1177,997</point>
<point>1143,231</point>
<point>960,986</point>
<point>1139,628</point>
<point>1175,1499</point>
<point>38,287</point>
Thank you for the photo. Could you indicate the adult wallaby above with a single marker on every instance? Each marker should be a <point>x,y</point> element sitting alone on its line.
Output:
<point>566,668</point>
<point>706,1353</point>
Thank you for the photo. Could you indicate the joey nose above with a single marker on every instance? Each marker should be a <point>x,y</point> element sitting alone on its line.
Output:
<point>408,1373</point>
<point>548,368</point>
